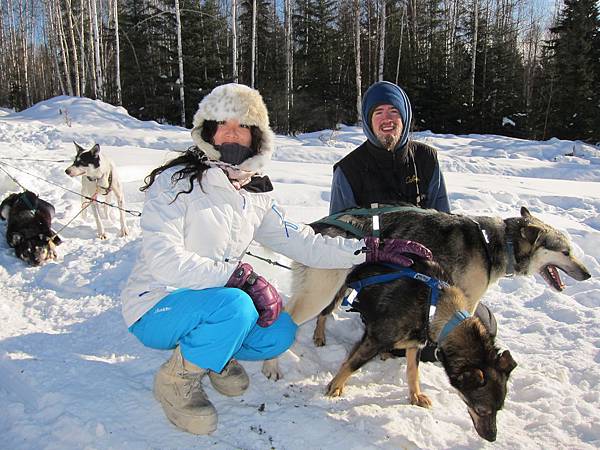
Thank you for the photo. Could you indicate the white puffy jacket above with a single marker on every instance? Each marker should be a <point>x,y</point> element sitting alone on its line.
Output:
<point>197,240</point>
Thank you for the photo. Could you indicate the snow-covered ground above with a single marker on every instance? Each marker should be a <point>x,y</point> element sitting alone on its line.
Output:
<point>72,377</point>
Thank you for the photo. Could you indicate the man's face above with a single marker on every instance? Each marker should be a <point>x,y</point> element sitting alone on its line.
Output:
<point>387,125</point>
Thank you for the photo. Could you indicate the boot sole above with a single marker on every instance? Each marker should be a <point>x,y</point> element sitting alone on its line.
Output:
<point>229,391</point>
<point>192,423</point>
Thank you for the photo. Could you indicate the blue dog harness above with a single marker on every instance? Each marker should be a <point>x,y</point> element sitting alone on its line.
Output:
<point>434,284</point>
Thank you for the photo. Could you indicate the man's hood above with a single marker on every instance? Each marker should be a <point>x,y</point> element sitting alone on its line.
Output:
<point>381,93</point>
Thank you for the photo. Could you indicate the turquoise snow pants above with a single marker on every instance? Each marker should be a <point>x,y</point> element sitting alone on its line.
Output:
<point>212,326</point>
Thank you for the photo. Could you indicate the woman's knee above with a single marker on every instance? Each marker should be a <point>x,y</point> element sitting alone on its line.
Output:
<point>242,305</point>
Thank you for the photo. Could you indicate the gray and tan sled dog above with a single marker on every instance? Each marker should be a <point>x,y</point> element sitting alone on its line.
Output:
<point>474,252</point>
<point>98,179</point>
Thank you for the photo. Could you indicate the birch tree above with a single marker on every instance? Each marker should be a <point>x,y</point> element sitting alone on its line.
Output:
<point>117,53</point>
<point>356,11</point>
<point>382,20</point>
<point>180,59</point>
<point>97,60</point>
<point>234,45</point>
<point>73,48</point>
<point>253,45</point>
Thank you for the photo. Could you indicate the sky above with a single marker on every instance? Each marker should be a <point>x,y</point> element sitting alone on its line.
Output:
<point>72,377</point>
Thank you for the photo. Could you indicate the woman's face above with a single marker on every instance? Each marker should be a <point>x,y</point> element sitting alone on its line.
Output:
<point>231,132</point>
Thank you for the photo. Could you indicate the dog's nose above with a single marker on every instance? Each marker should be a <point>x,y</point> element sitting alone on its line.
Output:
<point>67,171</point>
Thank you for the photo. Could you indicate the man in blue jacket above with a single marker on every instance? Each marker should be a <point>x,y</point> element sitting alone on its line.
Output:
<point>390,168</point>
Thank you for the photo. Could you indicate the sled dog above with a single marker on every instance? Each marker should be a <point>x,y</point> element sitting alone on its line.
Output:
<point>28,229</point>
<point>397,315</point>
<point>474,251</point>
<point>99,178</point>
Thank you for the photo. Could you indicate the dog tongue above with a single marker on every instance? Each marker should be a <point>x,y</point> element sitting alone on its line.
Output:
<point>552,277</point>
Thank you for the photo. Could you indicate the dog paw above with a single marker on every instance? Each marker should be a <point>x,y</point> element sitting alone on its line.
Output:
<point>124,232</point>
<point>384,356</point>
<point>420,400</point>
<point>270,369</point>
<point>319,340</point>
<point>334,390</point>
<point>102,236</point>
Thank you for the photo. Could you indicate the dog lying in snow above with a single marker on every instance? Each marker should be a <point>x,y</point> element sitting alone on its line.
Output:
<point>99,178</point>
<point>29,230</point>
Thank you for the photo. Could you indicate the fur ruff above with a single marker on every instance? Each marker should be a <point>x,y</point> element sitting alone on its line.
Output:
<point>244,104</point>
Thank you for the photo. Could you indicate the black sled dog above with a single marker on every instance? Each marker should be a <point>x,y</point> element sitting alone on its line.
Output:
<point>28,229</point>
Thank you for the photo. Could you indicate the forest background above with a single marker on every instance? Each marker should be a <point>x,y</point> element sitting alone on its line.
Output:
<point>523,68</point>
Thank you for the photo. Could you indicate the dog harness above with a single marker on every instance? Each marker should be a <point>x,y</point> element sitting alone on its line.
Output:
<point>434,285</point>
<point>334,219</point>
<point>108,189</point>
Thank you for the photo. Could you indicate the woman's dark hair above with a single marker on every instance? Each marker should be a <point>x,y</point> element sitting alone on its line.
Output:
<point>193,163</point>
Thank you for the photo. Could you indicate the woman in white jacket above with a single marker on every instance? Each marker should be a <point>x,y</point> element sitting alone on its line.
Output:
<point>189,290</point>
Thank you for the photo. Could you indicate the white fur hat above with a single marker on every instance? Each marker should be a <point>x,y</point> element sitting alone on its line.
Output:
<point>235,101</point>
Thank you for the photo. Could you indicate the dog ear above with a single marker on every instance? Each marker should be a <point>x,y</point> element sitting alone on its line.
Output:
<point>471,379</point>
<point>525,213</point>
<point>78,147</point>
<point>505,362</point>
<point>15,239</point>
<point>530,233</point>
<point>95,150</point>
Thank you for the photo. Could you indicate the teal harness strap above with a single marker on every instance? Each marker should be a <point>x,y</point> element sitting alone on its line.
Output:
<point>455,320</point>
<point>333,219</point>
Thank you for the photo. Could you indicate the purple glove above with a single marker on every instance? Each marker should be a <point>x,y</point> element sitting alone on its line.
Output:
<point>394,251</point>
<point>265,297</point>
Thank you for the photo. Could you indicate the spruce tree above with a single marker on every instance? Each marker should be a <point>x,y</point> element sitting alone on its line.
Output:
<point>573,110</point>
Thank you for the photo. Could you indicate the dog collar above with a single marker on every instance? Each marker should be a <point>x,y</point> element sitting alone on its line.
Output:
<point>454,321</point>
<point>106,189</point>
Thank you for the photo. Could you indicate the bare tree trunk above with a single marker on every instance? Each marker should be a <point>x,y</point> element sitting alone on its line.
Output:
<point>400,43</point>
<point>98,62</point>
<point>117,53</point>
<point>92,59</point>
<point>180,58</point>
<point>64,48</point>
<point>52,37</point>
<point>288,61</point>
<point>382,20</point>
<point>82,49</point>
<point>356,8</point>
<point>474,55</point>
<point>24,50</point>
<point>234,45</point>
<point>253,50</point>
<point>74,49</point>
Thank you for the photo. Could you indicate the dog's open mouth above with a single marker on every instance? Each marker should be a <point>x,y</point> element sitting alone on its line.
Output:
<point>551,276</point>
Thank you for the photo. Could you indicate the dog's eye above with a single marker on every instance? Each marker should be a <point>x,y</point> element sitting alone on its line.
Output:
<point>566,252</point>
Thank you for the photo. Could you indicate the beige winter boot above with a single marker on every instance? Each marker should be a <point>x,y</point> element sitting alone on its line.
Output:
<point>178,388</point>
<point>232,381</point>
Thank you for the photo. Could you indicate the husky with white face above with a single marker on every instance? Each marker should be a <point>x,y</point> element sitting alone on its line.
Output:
<point>99,179</point>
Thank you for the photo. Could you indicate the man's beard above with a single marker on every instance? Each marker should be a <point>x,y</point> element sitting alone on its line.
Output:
<point>388,141</point>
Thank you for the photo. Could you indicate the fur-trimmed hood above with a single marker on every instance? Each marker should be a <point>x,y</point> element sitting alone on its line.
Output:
<point>244,104</point>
